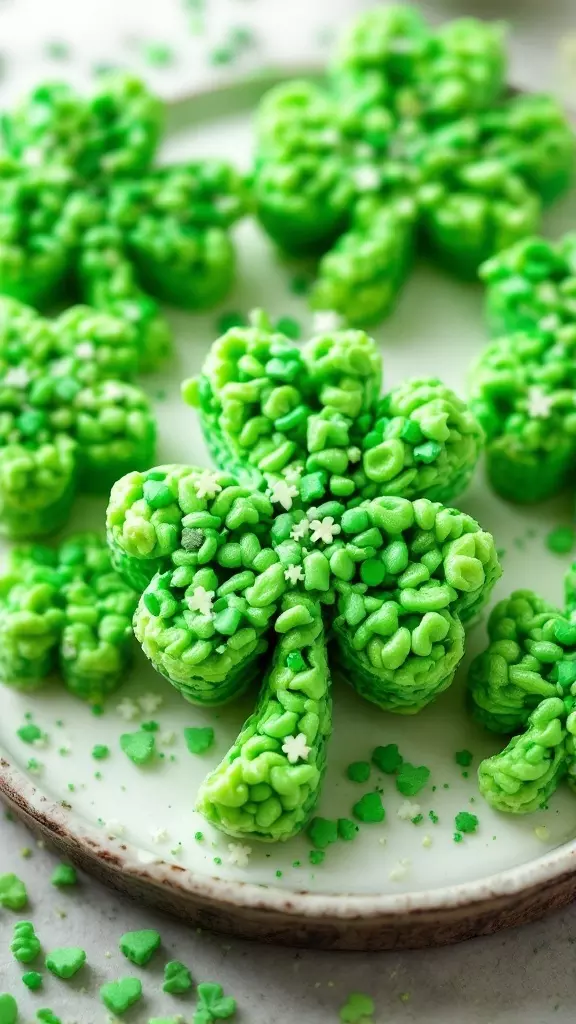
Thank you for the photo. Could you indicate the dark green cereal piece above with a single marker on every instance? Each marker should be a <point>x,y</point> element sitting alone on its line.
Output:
<point>411,779</point>
<point>466,822</point>
<point>64,875</point>
<point>177,978</point>
<point>358,771</point>
<point>139,946</point>
<point>369,809</point>
<point>322,832</point>
<point>199,739</point>
<point>387,759</point>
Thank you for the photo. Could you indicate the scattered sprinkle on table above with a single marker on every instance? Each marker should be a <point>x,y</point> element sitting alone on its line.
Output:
<point>177,978</point>
<point>358,771</point>
<point>65,962</point>
<point>322,832</point>
<point>158,55</point>
<point>25,945</point>
<point>387,759</point>
<point>13,894</point>
<point>48,1017</point>
<point>466,822</point>
<point>100,752</point>
<point>32,980</point>
<point>464,758</point>
<point>140,946</point>
<point>30,733</point>
<point>561,540</point>
<point>8,1009</point>
<point>213,1004</point>
<point>64,875</point>
<point>119,996</point>
<point>140,747</point>
<point>316,857</point>
<point>347,830</point>
<point>410,779</point>
<point>199,739</point>
<point>369,809</point>
<point>357,1009</point>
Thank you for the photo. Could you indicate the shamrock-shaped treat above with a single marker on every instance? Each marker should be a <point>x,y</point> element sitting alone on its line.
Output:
<point>82,203</point>
<point>323,522</point>
<point>69,418</point>
<point>523,391</point>
<point>413,138</point>
<point>65,609</point>
<point>525,683</point>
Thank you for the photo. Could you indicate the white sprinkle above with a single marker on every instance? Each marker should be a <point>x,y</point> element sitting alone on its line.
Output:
<point>160,835</point>
<point>399,871</point>
<point>294,574</point>
<point>238,854</point>
<point>427,842</point>
<point>167,739</point>
<point>326,320</point>
<point>539,403</point>
<point>128,709</point>
<point>296,748</point>
<point>207,486</point>
<point>115,829</point>
<point>281,493</point>
<point>299,530</point>
<point>354,454</point>
<point>542,832</point>
<point>366,178</point>
<point>201,601</point>
<point>407,811</point>
<point>85,350</point>
<point>17,377</point>
<point>324,530</point>
<point>150,702</point>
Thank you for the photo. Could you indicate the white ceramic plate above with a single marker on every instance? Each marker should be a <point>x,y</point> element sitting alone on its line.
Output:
<point>358,897</point>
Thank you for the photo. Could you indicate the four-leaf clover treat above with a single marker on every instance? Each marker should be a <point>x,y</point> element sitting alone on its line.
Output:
<point>83,205</point>
<point>65,609</point>
<point>524,683</point>
<point>319,515</point>
<point>69,417</point>
<point>412,139</point>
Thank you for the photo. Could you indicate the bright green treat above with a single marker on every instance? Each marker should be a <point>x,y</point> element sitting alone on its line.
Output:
<point>522,391</point>
<point>25,945</point>
<point>8,1009</point>
<point>525,774</point>
<point>84,208</point>
<point>65,962</point>
<point>13,894</point>
<point>409,115</point>
<point>65,609</point>
<point>140,946</point>
<point>313,521</point>
<point>531,656</point>
<point>119,996</point>
<point>68,416</point>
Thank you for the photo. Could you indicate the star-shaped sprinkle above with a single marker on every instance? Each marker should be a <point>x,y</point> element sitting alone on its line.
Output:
<point>300,530</point>
<point>160,835</point>
<point>326,320</point>
<point>539,403</point>
<point>354,454</point>
<point>85,350</point>
<point>366,178</point>
<point>201,601</point>
<point>17,377</point>
<point>128,709</point>
<point>150,702</point>
<point>281,493</point>
<point>207,485</point>
<point>238,854</point>
<point>296,748</point>
<point>294,574</point>
<point>324,530</point>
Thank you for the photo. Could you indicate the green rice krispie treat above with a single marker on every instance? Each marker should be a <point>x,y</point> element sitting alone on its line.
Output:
<point>83,207</point>
<point>408,113</point>
<point>65,610</point>
<point>317,517</point>
<point>69,417</point>
<point>524,682</point>
<point>523,393</point>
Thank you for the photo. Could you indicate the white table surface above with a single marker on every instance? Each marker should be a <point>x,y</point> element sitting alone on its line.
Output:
<point>524,975</point>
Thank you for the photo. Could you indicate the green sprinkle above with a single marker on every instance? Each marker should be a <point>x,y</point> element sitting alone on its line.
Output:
<point>322,832</point>
<point>25,945</point>
<point>466,822</point>
<point>57,49</point>
<point>316,857</point>
<point>119,996</point>
<point>198,836</point>
<point>278,874</point>
<point>65,962</point>
<point>387,759</point>
<point>288,326</point>
<point>150,726</point>
<point>417,819</point>
<point>64,875</point>
<point>48,1017</point>
<point>464,758</point>
<point>357,1008</point>
<point>369,808</point>
<point>140,747</point>
<point>561,540</point>
<point>34,766</point>
<point>410,779</point>
<point>358,771</point>
<point>427,452</point>
<point>32,980</point>
<point>222,55</point>
<point>433,817</point>
<point>158,55</point>
<point>177,978</point>
<point>157,494</point>
<point>458,837</point>
<point>13,893</point>
<point>218,861</point>
<point>347,830</point>
<point>139,946</point>
<point>199,739</point>
<point>100,752</point>
<point>30,733</point>
<point>8,1009</point>
<point>295,662</point>
<point>213,1004</point>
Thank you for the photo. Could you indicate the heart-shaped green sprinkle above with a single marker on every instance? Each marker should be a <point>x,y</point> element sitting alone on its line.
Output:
<point>410,779</point>
<point>138,947</point>
<point>64,875</point>
<point>119,996</point>
<point>357,1008</point>
<point>140,747</point>
<point>8,1009</point>
<point>13,893</point>
<point>369,808</point>
<point>65,962</point>
<point>199,740</point>
<point>177,978</point>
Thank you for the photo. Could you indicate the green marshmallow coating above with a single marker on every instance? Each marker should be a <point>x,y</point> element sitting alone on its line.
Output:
<point>413,134</point>
<point>65,609</point>
<point>84,208</point>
